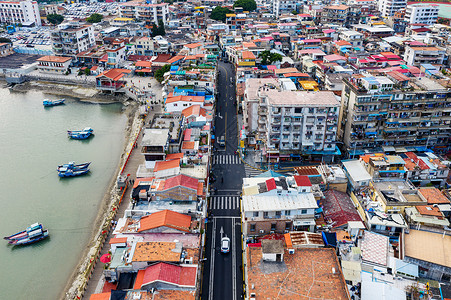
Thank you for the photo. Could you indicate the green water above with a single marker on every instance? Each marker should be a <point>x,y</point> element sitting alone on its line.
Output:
<point>33,141</point>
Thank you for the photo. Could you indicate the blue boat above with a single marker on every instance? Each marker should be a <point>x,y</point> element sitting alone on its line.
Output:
<point>80,134</point>
<point>72,166</point>
<point>32,234</point>
<point>71,173</point>
<point>48,103</point>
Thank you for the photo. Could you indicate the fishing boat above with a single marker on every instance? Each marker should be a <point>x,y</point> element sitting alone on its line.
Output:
<point>72,166</point>
<point>80,134</point>
<point>48,102</point>
<point>64,172</point>
<point>34,233</point>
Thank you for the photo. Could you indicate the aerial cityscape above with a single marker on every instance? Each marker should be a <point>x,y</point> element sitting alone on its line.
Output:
<point>225,149</point>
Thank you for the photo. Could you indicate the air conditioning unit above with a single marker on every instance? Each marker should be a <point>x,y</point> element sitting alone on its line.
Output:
<point>262,231</point>
<point>272,231</point>
<point>286,231</point>
<point>290,251</point>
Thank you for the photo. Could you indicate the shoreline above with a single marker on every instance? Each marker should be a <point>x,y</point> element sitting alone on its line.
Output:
<point>106,207</point>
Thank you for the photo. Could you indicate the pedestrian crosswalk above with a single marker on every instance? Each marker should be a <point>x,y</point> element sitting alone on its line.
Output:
<point>226,160</point>
<point>251,172</point>
<point>224,202</point>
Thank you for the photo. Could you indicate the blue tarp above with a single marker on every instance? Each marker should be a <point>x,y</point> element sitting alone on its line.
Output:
<point>329,238</point>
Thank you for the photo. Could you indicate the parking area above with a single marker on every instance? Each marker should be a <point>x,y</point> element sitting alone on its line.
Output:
<point>83,10</point>
<point>30,37</point>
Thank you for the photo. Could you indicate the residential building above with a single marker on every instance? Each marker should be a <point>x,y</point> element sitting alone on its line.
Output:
<point>20,12</point>
<point>421,13</point>
<point>389,7</point>
<point>144,11</point>
<point>376,112</point>
<point>6,49</point>
<point>111,80</point>
<point>54,64</point>
<point>283,6</point>
<point>69,39</point>
<point>415,56</point>
<point>335,14</point>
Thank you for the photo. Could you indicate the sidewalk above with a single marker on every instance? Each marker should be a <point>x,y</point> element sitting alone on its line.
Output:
<point>97,280</point>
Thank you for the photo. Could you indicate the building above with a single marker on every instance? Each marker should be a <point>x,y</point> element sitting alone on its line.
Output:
<point>6,49</point>
<point>20,12</point>
<point>69,39</point>
<point>376,113</point>
<point>54,64</point>
<point>335,14</point>
<point>421,13</point>
<point>295,273</point>
<point>415,56</point>
<point>290,123</point>
<point>283,6</point>
<point>389,7</point>
<point>150,13</point>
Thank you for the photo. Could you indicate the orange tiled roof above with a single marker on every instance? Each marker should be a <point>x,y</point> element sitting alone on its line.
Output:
<point>429,210</point>
<point>118,240</point>
<point>185,98</point>
<point>139,280</point>
<point>186,145</point>
<point>51,58</point>
<point>115,74</point>
<point>174,156</point>
<point>194,110</point>
<point>174,295</point>
<point>101,296</point>
<point>433,195</point>
<point>165,165</point>
<point>167,218</point>
<point>156,251</point>
<point>146,64</point>
<point>247,55</point>
<point>192,46</point>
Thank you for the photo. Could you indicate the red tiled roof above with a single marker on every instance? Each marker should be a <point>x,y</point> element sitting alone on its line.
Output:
<point>101,296</point>
<point>146,64</point>
<point>117,240</point>
<point>115,74</point>
<point>433,196</point>
<point>194,110</point>
<point>181,276</point>
<point>165,165</point>
<point>338,207</point>
<point>185,98</point>
<point>139,280</point>
<point>51,58</point>
<point>271,184</point>
<point>192,46</point>
<point>181,180</point>
<point>302,180</point>
<point>162,58</point>
<point>174,156</point>
<point>167,218</point>
<point>176,58</point>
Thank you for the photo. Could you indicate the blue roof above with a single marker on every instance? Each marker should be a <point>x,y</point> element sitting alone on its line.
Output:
<point>406,268</point>
<point>270,173</point>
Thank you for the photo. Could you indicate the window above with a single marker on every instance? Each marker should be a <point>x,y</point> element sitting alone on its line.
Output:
<point>303,211</point>
<point>255,213</point>
<point>287,212</point>
<point>288,226</point>
<point>265,214</point>
<point>252,227</point>
<point>273,226</point>
<point>278,213</point>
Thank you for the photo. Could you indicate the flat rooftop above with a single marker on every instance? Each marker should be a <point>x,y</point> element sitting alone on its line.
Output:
<point>428,246</point>
<point>306,274</point>
<point>17,60</point>
<point>301,98</point>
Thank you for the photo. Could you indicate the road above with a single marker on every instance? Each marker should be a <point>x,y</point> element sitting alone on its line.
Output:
<point>222,275</point>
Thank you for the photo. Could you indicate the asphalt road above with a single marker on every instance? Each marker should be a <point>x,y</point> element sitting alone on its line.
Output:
<point>222,275</point>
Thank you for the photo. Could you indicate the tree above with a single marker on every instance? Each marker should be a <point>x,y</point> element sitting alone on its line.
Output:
<point>87,72</point>
<point>247,5</point>
<point>95,18</point>
<point>160,72</point>
<point>158,30</point>
<point>5,40</point>
<point>55,19</point>
<point>269,57</point>
<point>219,13</point>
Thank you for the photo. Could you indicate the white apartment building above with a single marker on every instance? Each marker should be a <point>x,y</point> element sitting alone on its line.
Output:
<point>353,37</point>
<point>283,6</point>
<point>389,7</point>
<point>24,12</point>
<point>72,38</point>
<point>426,13</point>
<point>142,11</point>
<point>415,56</point>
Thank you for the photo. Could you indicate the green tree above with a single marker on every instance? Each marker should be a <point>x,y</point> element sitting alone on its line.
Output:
<point>55,19</point>
<point>95,18</point>
<point>87,72</point>
<point>247,5</point>
<point>5,40</point>
<point>294,12</point>
<point>160,72</point>
<point>269,57</point>
<point>219,13</point>
<point>158,30</point>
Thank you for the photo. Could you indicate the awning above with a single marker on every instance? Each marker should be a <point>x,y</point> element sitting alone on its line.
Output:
<point>388,148</point>
<point>392,171</point>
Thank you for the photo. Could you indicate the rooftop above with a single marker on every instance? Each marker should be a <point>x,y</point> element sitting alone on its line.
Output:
<point>339,208</point>
<point>300,98</point>
<point>157,251</point>
<point>428,246</point>
<point>155,137</point>
<point>278,203</point>
<point>283,280</point>
<point>167,218</point>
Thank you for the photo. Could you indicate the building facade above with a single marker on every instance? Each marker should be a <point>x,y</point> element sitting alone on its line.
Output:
<point>376,113</point>
<point>389,7</point>
<point>421,13</point>
<point>23,12</point>
<point>70,39</point>
<point>142,11</point>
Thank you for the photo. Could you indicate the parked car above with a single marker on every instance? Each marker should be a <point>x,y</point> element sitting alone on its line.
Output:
<point>221,141</point>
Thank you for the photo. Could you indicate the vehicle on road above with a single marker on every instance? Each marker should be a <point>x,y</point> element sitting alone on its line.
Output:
<point>221,141</point>
<point>225,245</point>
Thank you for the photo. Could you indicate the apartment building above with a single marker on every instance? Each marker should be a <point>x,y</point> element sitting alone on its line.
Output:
<point>376,112</point>
<point>289,123</point>
<point>335,14</point>
<point>143,11</point>
<point>389,7</point>
<point>69,39</point>
<point>415,56</point>
<point>283,6</point>
<point>23,12</point>
<point>421,13</point>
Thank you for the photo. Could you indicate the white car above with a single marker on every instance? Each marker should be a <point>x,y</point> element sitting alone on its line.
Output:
<point>225,245</point>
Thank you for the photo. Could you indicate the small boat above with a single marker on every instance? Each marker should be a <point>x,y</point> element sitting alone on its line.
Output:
<point>34,233</point>
<point>80,134</point>
<point>48,103</point>
<point>71,173</point>
<point>72,166</point>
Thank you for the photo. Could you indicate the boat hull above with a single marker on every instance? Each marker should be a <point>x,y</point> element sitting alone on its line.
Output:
<point>48,103</point>
<point>71,173</point>
<point>28,241</point>
<point>73,167</point>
